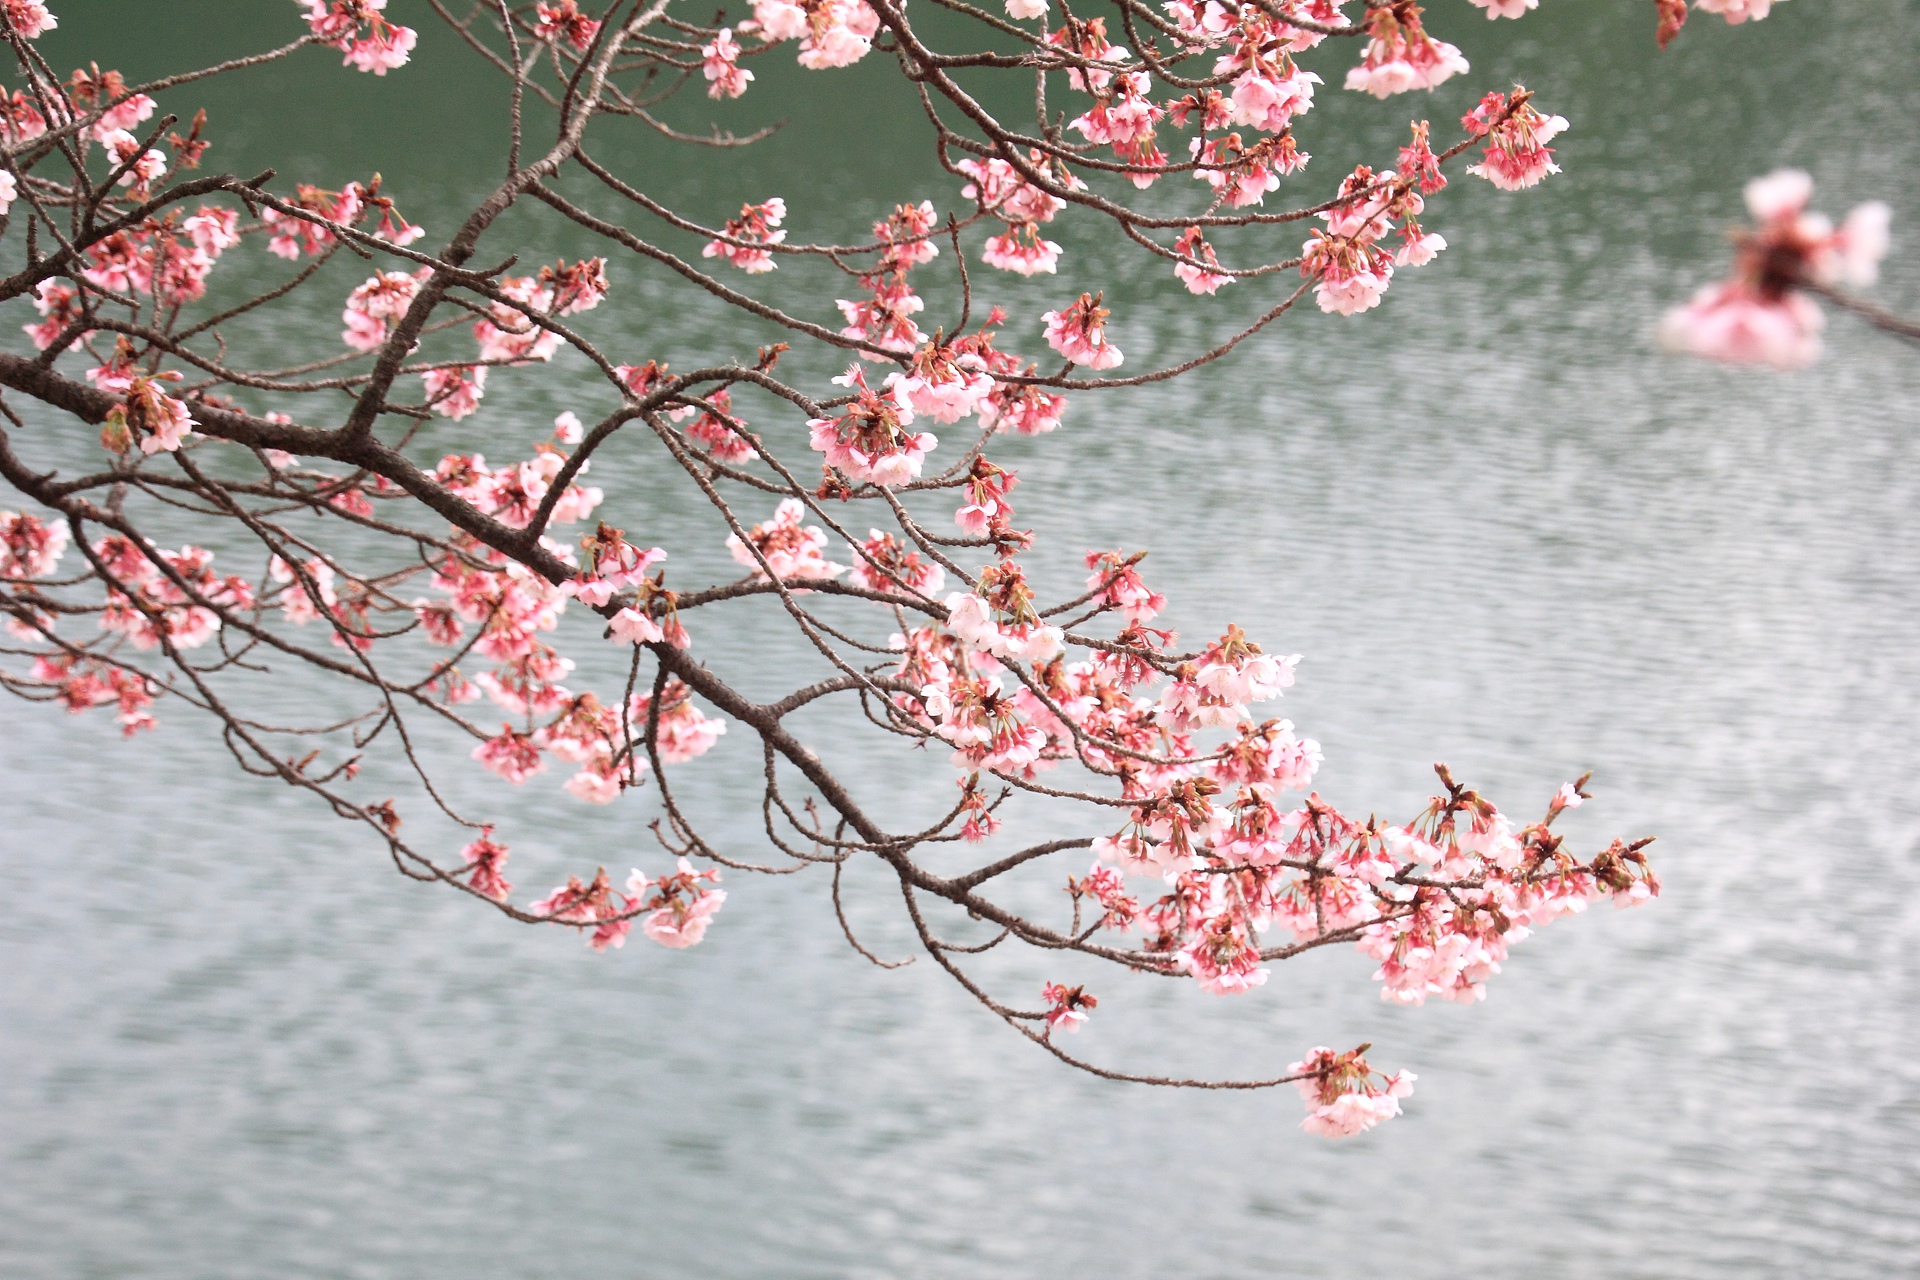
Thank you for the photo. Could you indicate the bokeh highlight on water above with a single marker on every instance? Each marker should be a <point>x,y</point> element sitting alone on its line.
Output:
<point>1503,530</point>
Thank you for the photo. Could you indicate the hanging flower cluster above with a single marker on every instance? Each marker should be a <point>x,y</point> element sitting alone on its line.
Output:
<point>1762,314</point>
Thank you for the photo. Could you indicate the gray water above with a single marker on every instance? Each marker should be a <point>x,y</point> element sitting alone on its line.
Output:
<point>1503,531</point>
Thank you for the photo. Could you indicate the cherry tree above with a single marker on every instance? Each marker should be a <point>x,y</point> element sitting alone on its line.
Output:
<point>438,594</point>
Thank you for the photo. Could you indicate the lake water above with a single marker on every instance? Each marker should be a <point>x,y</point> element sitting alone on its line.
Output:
<point>1504,532</point>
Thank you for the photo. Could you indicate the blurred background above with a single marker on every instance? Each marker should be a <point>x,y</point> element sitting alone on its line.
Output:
<point>1502,528</point>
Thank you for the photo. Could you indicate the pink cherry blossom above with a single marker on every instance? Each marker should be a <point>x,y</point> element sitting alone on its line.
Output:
<point>455,393</point>
<point>1119,911</point>
<point>971,618</point>
<point>302,232</point>
<point>81,684</point>
<point>1243,174</point>
<point>374,307</point>
<point>838,34</point>
<point>1344,1095</point>
<point>1022,408</point>
<point>213,231</point>
<point>987,509</point>
<point>869,441</point>
<point>60,306</point>
<point>1223,960</point>
<point>630,626</point>
<point>30,18</point>
<point>793,552</point>
<point>601,914</point>
<point>1123,117</point>
<point>1067,1007</point>
<point>568,289</point>
<point>680,907</point>
<point>756,225</point>
<point>20,118</point>
<point>1002,190</point>
<point>28,547</point>
<point>1490,836</point>
<point>563,20</point>
<point>1269,99</point>
<point>120,110</point>
<point>1351,266</point>
<point>159,607</point>
<point>1088,38</point>
<point>945,385</point>
<point>1268,758</point>
<point>1792,242</point>
<point>592,592</point>
<point>1852,256</point>
<point>139,167</point>
<point>885,318</point>
<point>882,563</point>
<point>1420,249</point>
<point>526,683</point>
<point>1078,332</point>
<point>1021,250</point>
<point>1136,851</point>
<point>513,494</point>
<point>1762,315</point>
<point>1517,155</point>
<point>726,78</point>
<point>485,860</point>
<point>718,428</point>
<point>511,755</point>
<point>778,20</point>
<point>681,927</point>
<point>1192,244</point>
<point>380,48</point>
<point>599,781</point>
<point>1733,323</point>
<point>1778,196</point>
<point>510,333</point>
<point>1116,584</point>
<point>685,732</point>
<point>1437,947</point>
<point>147,416</point>
<point>984,725</point>
<point>298,604</point>
<point>1401,56</point>
<point>908,234</point>
<point>616,561</point>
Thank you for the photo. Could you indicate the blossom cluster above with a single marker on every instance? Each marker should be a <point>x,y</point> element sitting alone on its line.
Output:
<point>758,224</point>
<point>1435,903</point>
<point>1762,314</point>
<point>673,911</point>
<point>564,22</point>
<point>361,30</point>
<point>1344,1095</point>
<point>307,225</point>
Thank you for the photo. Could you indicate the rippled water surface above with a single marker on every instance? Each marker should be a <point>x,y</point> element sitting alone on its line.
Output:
<point>1502,530</point>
